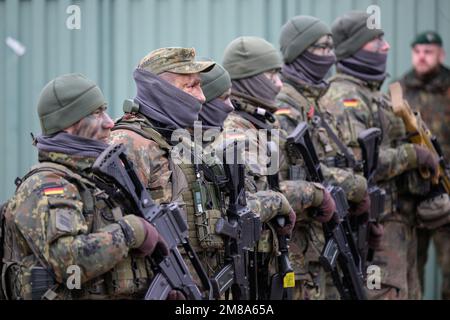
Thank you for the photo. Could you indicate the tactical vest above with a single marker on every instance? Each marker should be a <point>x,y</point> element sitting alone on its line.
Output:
<point>199,197</point>
<point>309,112</point>
<point>130,278</point>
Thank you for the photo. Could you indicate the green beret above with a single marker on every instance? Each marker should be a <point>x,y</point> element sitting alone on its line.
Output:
<point>66,100</point>
<point>249,56</point>
<point>350,33</point>
<point>215,82</point>
<point>428,37</point>
<point>298,34</point>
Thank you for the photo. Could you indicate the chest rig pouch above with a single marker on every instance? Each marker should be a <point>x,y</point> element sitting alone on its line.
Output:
<point>194,187</point>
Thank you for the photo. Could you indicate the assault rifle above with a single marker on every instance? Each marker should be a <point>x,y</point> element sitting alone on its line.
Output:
<point>340,254</point>
<point>171,271</point>
<point>282,283</point>
<point>241,229</point>
<point>369,141</point>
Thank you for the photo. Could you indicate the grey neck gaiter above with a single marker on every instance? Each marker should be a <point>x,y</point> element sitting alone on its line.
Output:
<point>69,144</point>
<point>309,68</point>
<point>365,65</point>
<point>258,87</point>
<point>214,113</point>
<point>162,102</point>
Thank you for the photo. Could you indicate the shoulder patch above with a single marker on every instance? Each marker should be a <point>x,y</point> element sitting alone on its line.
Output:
<point>350,103</point>
<point>283,111</point>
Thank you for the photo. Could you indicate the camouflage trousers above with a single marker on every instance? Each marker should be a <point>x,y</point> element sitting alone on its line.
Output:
<point>311,280</point>
<point>441,239</point>
<point>397,260</point>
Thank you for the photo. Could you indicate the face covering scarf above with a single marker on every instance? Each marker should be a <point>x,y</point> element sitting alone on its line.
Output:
<point>214,113</point>
<point>161,101</point>
<point>69,144</point>
<point>365,65</point>
<point>309,68</point>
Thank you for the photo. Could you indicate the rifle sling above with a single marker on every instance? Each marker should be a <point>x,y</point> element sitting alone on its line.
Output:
<point>350,158</point>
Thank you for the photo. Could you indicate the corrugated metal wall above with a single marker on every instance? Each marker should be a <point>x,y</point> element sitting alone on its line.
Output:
<point>115,34</point>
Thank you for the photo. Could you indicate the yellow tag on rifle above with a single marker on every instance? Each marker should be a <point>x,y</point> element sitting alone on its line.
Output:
<point>289,280</point>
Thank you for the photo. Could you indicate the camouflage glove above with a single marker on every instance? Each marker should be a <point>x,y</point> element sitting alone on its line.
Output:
<point>327,208</point>
<point>142,236</point>
<point>376,233</point>
<point>290,217</point>
<point>357,209</point>
<point>425,159</point>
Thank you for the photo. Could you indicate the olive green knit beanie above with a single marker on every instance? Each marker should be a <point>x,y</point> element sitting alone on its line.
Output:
<point>298,34</point>
<point>249,56</point>
<point>66,100</point>
<point>351,33</point>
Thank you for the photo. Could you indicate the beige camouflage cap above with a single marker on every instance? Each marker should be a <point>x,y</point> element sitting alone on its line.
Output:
<point>175,60</point>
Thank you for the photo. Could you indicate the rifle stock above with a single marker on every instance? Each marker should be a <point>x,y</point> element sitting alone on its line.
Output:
<point>419,134</point>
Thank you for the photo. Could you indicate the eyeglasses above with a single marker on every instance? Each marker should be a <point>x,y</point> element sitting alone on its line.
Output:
<point>322,48</point>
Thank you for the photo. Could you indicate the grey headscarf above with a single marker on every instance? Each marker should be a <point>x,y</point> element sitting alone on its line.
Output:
<point>365,65</point>
<point>258,87</point>
<point>69,144</point>
<point>161,101</point>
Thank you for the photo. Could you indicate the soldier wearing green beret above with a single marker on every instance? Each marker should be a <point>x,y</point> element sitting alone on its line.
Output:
<point>427,89</point>
<point>60,226</point>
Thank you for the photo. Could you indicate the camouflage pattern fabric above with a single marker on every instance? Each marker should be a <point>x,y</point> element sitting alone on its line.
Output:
<point>297,103</point>
<point>176,60</point>
<point>167,183</point>
<point>48,218</point>
<point>301,195</point>
<point>431,97</point>
<point>353,106</point>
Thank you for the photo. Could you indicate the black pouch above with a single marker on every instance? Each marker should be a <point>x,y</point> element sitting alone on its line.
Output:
<point>41,282</point>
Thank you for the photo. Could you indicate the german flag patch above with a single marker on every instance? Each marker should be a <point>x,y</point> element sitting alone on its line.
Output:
<point>54,191</point>
<point>351,103</point>
<point>282,111</point>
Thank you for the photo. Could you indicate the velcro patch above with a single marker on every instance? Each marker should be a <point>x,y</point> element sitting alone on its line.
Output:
<point>63,221</point>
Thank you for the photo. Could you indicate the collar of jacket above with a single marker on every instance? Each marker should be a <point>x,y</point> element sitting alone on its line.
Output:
<point>80,165</point>
<point>305,89</point>
<point>372,86</point>
<point>436,82</point>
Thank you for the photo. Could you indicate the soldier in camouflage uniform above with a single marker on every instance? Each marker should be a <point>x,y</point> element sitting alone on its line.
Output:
<point>253,65</point>
<point>354,103</point>
<point>307,48</point>
<point>169,99</point>
<point>60,218</point>
<point>427,89</point>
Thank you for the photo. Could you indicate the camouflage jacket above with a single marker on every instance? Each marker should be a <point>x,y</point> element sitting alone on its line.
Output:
<point>299,103</point>
<point>352,106</point>
<point>50,223</point>
<point>157,170</point>
<point>431,97</point>
<point>301,194</point>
